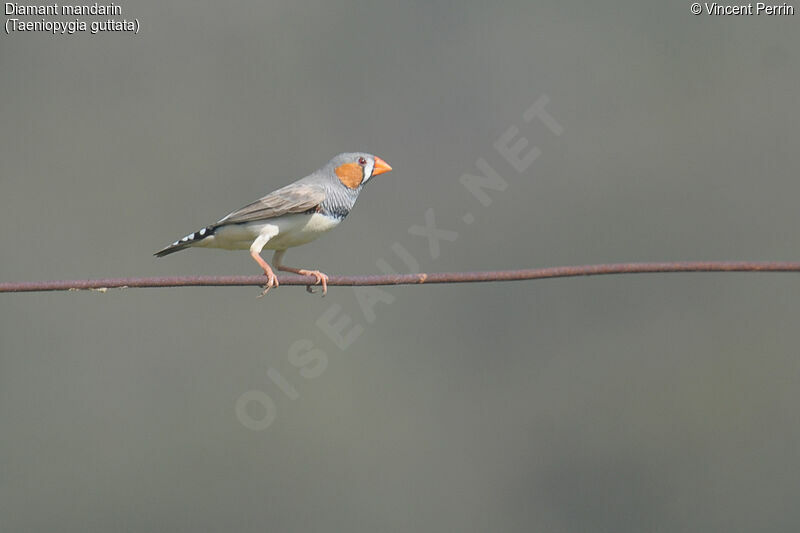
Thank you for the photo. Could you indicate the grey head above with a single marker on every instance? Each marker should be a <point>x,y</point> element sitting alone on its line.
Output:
<point>354,169</point>
<point>342,179</point>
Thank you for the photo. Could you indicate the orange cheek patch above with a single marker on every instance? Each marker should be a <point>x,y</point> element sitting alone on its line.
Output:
<point>350,174</point>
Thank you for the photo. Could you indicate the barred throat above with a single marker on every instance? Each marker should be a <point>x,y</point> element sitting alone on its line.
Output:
<point>339,201</point>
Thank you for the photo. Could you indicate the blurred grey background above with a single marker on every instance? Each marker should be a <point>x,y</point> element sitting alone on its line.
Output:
<point>631,403</point>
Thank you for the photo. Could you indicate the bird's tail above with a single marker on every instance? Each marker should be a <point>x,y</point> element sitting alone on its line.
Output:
<point>186,242</point>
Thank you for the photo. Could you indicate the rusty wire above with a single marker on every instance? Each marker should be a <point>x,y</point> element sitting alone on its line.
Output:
<point>407,279</point>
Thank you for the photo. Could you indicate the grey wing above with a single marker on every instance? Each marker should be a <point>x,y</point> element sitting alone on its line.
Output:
<point>294,198</point>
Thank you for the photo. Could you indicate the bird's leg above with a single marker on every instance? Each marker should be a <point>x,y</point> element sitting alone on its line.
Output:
<point>255,253</point>
<point>321,277</point>
<point>272,279</point>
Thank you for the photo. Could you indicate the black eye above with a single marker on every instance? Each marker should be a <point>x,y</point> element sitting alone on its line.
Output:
<point>362,161</point>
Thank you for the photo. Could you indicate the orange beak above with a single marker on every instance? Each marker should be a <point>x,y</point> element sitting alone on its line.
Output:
<point>381,166</point>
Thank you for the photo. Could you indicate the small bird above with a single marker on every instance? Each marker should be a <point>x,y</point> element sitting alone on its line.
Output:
<point>290,216</point>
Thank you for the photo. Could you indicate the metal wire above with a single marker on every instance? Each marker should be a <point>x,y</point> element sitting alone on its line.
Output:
<point>408,279</point>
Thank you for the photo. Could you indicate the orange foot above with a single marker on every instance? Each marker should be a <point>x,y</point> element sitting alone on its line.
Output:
<point>272,281</point>
<point>321,279</point>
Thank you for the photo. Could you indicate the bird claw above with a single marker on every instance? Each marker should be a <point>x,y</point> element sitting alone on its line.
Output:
<point>272,281</point>
<point>321,279</point>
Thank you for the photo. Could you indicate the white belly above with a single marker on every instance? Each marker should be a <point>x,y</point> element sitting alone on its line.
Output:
<point>288,231</point>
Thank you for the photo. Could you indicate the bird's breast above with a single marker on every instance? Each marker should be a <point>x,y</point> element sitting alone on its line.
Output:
<point>286,231</point>
<point>295,230</point>
<point>320,222</point>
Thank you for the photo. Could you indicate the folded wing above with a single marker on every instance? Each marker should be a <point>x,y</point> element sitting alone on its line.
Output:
<point>294,198</point>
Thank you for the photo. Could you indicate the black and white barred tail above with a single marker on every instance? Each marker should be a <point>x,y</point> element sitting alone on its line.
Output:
<point>186,242</point>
